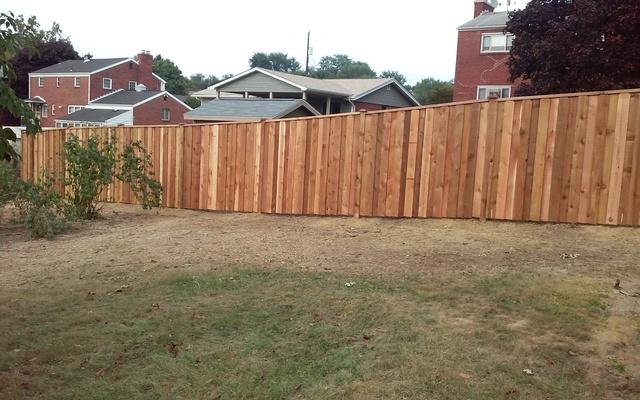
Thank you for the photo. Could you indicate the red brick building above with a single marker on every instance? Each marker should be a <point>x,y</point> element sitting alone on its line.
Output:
<point>128,107</point>
<point>483,52</point>
<point>61,89</point>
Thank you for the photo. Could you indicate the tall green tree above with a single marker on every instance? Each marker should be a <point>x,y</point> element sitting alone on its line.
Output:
<point>433,91</point>
<point>169,71</point>
<point>200,81</point>
<point>275,61</point>
<point>575,45</point>
<point>51,47</point>
<point>341,66</point>
<point>15,36</point>
<point>401,79</point>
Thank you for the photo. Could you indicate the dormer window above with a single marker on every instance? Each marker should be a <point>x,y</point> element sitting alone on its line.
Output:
<point>496,42</point>
<point>132,85</point>
<point>106,83</point>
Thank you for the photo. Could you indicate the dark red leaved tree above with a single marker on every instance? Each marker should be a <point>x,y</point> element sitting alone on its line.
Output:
<point>564,46</point>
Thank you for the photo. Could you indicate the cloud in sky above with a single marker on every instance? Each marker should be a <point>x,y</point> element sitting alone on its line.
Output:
<point>417,38</point>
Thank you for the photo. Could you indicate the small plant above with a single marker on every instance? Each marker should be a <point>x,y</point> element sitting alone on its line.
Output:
<point>42,209</point>
<point>90,168</point>
<point>136,170</point>
<point>93,165</point>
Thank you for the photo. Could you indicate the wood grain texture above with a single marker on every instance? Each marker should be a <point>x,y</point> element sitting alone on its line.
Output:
<point>564,158</point>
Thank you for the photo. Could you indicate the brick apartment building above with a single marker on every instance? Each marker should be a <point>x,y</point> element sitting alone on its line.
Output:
<point>482,55</point>
<point>64,88</point>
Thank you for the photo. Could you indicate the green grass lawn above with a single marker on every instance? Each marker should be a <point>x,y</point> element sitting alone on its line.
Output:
<point>281,334</point>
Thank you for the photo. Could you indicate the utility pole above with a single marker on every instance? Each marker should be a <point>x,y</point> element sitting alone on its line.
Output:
<point>306,69</point>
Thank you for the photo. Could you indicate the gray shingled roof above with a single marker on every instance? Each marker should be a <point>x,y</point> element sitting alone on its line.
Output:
<point>347,87</point>
<point>81,66</point>
<point>486,20</point>
<point>92,115</point>
<point>247,109</point>
<point>126,97</point>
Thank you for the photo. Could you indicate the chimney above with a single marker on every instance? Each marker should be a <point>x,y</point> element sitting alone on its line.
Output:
<point>482,6</point>
<point>145,68</point>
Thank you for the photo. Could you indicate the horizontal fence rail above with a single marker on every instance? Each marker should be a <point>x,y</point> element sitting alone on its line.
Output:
<point>566,158</point>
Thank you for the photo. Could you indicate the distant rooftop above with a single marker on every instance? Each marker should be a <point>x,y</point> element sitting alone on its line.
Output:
<point>80,66</point>
<point>92,115</point>
<point>127,97</point>
<point>485,21</point>
<point>247,109</point>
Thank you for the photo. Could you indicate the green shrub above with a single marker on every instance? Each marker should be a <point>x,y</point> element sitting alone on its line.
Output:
<point>90,169</point>
<point>41,208</point>
<point>136,170</point>
<point>93,165</point>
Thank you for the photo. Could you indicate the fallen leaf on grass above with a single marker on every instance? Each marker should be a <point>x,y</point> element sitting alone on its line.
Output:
<point>464,376</point>
<point>527,371</point>
<point>350,284</point>
<point>173,349</point>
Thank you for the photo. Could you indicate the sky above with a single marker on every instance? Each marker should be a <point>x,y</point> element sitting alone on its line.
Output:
<point>417,38</point>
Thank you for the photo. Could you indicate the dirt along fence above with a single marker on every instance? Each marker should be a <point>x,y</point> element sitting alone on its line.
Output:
<point>566,158</point>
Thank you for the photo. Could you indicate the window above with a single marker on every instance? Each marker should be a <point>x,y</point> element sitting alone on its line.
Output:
<point>57,82</point>
<point>41,82</point>
<point>132,85</point>
<point>496,43</point>
<point>76,81</point>
<point>53,109</point>
<point>72,109</point>
<point>45,111</point>
<point>166,114</point>
<point>106,83</point>
<point>501,92</point>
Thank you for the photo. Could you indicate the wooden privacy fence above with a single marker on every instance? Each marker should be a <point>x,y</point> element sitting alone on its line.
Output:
<point>567,158</point>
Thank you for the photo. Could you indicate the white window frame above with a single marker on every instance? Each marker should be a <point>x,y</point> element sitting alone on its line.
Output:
<point>490,88</point>
<point>134,85</point>
<point>506,50</point>
<point>40,81</point>
<point>53,109</point>
<point>76,81</point>
<point>168,117</point>
<point>104,81</point>
<point>75,108</point>
<point>45,111</point>
<point>57,81</point>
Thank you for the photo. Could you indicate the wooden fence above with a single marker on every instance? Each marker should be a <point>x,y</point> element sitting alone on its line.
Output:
<point>566,158</point>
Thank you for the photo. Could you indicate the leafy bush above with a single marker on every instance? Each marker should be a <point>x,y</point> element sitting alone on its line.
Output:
<point>93,165</point>
<point>90,169</point>
<point>136,170</point>
<point>42,209</point>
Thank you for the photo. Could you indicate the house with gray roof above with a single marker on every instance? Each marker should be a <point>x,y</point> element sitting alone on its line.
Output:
<point>66,87</point>
<point>482,56</point>
<point>255,109</point>
<point>126,107</point>
<point>324,96</point>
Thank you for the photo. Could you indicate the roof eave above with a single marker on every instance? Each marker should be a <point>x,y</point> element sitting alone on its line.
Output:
<point>480,28</point>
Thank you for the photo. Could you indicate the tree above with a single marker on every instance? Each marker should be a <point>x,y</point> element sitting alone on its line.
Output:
<point>275,61</point>
<point>15,35</point>
<point>575,45</point>
<point>341,66</point>
<point>51,47</point>
<point>199,81</point>
<point>433,91</point>
<point>401,79</point>
<point>169,71</point>
<point>192,102</point>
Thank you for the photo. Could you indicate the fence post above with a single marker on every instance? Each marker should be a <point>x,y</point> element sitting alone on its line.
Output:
<point>360,139</point>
